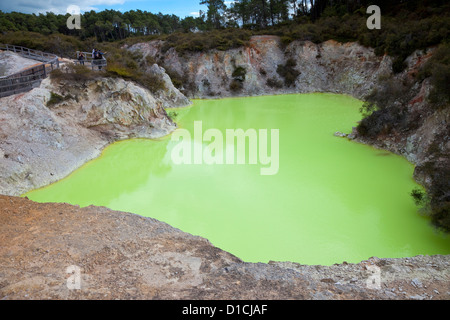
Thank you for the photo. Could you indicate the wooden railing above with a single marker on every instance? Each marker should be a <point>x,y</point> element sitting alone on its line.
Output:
<point>30,78</point>
<point>95,64</point>
<point>30,53</point>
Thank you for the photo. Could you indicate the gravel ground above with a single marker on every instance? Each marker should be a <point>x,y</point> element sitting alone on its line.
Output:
<point>117,255</point>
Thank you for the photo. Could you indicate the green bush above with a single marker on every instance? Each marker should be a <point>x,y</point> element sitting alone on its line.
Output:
<point>437,68</point>
<point>384,109</point>
<point>437,198</point>
<point>172,115</point>
<point>288,72</point>
<point>236,86</point>
<point>203,41</point>
<point>115,69</point>
<point>54,99</point>
<point>398,65</point>
<point>274,83</point>
<point>59,44</point>
<point>76,73</point>
<point>420,197</point>
<point>239,74</point>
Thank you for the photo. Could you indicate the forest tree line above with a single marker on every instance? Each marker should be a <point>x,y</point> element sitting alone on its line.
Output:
<point>110,25</point>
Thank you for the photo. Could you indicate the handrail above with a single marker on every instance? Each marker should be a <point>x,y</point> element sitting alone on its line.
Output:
<point>94,62</point>
<point>26,79</point>
<point>31,53</point>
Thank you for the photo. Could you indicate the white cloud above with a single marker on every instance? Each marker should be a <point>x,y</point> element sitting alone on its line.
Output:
<point>58,7</point>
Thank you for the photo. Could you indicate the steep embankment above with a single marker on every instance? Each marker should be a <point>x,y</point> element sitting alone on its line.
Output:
<point>266,66</point>
<point>52,130</point>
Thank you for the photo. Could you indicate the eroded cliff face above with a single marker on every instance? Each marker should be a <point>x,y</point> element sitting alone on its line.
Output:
<point>42,141</point>
<point>328,67</point>
<point>346,68</point>
<point>422,136</point>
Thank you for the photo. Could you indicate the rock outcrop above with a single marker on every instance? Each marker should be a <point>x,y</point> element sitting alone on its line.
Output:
<point>423,137</point>
<point>347,68</point>
<point>47,133</point>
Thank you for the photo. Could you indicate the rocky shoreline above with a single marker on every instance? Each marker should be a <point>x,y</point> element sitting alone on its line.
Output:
<point>42,142</point>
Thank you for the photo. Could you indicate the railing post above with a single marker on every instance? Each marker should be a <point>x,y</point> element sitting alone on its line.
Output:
<point>23,81</point>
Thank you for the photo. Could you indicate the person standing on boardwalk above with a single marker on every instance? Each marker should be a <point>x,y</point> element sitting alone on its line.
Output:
<point>81,58</point>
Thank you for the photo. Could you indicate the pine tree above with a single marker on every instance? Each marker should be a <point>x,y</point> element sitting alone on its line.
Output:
<point>215,13</point>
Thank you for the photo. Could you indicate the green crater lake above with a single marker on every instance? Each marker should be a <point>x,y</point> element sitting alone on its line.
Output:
<point>331,200</point>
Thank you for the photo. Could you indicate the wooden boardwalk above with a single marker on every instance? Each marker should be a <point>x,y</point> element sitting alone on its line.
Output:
<point>90,62</point>
<point>30,78</point>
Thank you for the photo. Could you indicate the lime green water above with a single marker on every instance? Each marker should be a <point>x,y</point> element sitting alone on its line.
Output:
<point>332,200</point>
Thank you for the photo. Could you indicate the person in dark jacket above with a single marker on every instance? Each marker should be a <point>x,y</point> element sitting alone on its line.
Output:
<point>81,58</point>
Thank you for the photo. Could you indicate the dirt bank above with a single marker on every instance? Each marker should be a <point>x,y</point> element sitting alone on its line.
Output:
<point>125,256</point>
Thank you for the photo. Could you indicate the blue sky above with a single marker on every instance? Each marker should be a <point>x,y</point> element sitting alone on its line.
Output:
<point>180,8</point>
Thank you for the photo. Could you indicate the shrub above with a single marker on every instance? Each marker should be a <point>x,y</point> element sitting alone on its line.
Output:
<point>150,60</point>
<point>76,73</point>
<point>274,83</point>
<point>115,69</point>
<point>437,198</point>
<point>384,109</point>
<point>149,81</point>
<point>239,74</point>
<point>420,197</point>
<point>236,86</point>
<point>398,65</point>
<point>203,41</point>
<point>380,122</point>
<point>80,73</point>
<point>59,44</point>
<point>177,79</point>
<point>54,99</point>
<point>172,115</point>
<point>286,40</point>
<point>437,68</point>
<point>288,72</point>
<point>388,92</point>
